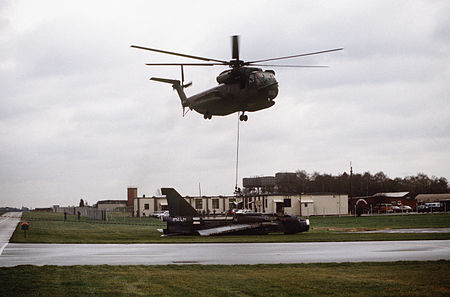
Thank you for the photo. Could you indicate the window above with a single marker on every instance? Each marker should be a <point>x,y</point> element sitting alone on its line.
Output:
<point>146,206</point>
<point>198,203</point>
<point>251,79</point>
<point>287,202</point>
<point>231,203</point>
<point>215,203</point>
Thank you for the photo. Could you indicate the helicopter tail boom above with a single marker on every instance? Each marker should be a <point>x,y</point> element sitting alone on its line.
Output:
<point>176,85</point>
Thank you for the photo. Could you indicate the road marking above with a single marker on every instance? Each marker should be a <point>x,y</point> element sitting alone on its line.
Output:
<point>4,220</point>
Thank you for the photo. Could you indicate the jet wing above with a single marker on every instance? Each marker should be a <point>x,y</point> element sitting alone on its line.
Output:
<point>230,228</point>
<point>226,229</point>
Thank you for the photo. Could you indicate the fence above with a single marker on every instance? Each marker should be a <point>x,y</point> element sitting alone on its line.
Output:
<point>89,212</point>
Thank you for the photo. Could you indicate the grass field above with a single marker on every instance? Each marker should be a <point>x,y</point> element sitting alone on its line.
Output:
<point>347,279</point>
<point>350,223</point>
<point>51,228</point>
<point>113,218</point>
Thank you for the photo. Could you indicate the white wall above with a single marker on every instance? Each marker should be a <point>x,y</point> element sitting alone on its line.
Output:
<point>327,204</point>
<point>317,205</point>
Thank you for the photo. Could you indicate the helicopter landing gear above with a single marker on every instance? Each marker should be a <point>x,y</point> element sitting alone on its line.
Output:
<point>207,116</point>
<point>243,117</point>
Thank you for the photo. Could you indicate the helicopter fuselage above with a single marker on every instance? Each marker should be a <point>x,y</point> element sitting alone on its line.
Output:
<point>251,90</point>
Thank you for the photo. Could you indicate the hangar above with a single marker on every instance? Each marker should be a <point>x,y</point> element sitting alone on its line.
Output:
<point>423,198</point>
<point>442,199</point>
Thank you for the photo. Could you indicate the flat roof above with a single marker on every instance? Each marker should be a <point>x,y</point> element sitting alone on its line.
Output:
<point>393,194</point>
<point>111,201</point>
<point>432,197</point>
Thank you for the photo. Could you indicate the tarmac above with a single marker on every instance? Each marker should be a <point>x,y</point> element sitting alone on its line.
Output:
<point>12,254</point>
<point>224,253</point>
<point>8,223</point>
<point>420,230</point>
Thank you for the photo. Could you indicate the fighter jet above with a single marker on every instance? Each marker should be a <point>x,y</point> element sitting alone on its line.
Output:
<point>183,219</point>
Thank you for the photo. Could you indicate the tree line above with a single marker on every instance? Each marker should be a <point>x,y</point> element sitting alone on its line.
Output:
<point>364,184</point>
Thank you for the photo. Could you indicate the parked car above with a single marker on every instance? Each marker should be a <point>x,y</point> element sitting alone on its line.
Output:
<point>244,211</point>
<point>156,214</point>
<point>405,208</point>
<point>383,208</point>
<point>434,206</point>
<point>396,208</point>
<point>160,214</point>
<point>423,208</point>
<point>430,207</point>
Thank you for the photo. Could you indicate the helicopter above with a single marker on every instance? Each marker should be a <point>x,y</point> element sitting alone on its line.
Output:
<point>243,88</point>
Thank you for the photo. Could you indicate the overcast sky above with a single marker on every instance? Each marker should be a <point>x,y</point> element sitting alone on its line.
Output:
<point>79,117</point>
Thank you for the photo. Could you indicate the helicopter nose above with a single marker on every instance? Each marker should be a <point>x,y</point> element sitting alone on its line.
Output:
<point>272,92</point>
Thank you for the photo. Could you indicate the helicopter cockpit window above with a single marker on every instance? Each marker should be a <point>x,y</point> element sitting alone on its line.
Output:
<point>260,79</point>
<point>251,79</point>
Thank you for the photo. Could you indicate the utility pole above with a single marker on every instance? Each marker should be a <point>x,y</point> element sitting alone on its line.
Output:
<point>351,175</point>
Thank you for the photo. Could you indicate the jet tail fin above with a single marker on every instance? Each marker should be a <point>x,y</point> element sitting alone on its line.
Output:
<point>178,207</point>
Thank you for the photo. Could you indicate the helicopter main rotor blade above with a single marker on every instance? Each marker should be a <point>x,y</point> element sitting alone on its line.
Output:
<point>235,47</point>
<point>294,56</point>
<point>296,66</point>
<point>177,54</point>
<point>186,64</point>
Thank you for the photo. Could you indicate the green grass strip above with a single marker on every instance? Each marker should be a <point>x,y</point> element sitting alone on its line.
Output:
<point>347,279</point>
<point>51,228</point>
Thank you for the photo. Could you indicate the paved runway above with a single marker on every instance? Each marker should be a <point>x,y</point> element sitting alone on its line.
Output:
<point>420,230</point>
<point>8,223</point>
<point>242,253</point>
<point>13,254</point>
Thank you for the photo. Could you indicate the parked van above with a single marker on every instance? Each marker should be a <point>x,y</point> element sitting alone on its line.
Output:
<point>434,206</point>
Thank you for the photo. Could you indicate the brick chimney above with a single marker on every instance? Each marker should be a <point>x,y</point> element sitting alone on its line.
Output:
<point>132,193</point>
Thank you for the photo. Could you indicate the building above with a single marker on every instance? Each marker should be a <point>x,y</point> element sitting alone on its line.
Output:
<point>282,182</point>
<point>145,206</point>
<point>367,204</point>
<point>297,205</point>
<point>131,194</point>
<point>260,184</point>
<point>443,199</point>
<point>43,209</point>
<point>279,194</point>
<point>111,205</point>
<point>323,204</point>
<point>424,198</point>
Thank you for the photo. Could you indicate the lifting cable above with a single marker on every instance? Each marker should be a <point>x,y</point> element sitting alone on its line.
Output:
<point>237,156</point>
